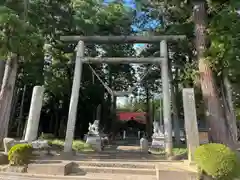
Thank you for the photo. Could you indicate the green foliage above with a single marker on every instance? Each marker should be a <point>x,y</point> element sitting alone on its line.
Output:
<point>49,20</point>
<point>224,33</point>
<point>47,136</point>
<point>20,154</point>
<point>78,145</point>
<point>217,160</point>
<point>16,35</point>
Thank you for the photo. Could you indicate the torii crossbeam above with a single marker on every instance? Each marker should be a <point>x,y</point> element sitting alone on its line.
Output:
<point>122,39</point>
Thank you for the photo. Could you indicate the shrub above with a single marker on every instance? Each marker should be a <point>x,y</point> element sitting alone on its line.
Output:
<point>20,154</point>
<point>46,136</point>
<point>77,146</point>
<point>217,161</point>
<point>56,144</point>
<point>80,146</point>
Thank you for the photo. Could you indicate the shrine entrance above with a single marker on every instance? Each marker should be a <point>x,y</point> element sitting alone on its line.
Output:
<point>80,59</point>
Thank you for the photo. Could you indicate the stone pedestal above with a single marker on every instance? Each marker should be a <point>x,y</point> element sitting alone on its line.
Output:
<point>3,158</point>
<point>40,144</point>
<point>95,142</point>
<point>144,145</point>
<point>158,142</point>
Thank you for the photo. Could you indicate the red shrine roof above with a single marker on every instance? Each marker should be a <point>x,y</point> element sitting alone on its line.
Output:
<point>137,116</point>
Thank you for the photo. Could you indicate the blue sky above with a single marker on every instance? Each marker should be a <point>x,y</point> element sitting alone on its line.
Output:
<point>150,25</point>
<point>129,3</point>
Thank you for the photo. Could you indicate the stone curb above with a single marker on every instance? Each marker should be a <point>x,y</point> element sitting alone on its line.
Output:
<point>27,175</point>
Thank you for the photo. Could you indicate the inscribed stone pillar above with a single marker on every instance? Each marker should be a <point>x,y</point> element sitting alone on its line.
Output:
<point>190,119</point>
<point>34,113</point>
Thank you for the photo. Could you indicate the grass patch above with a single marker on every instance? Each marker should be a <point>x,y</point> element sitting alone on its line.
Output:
<point>178,150</point>
<point>78,145</point>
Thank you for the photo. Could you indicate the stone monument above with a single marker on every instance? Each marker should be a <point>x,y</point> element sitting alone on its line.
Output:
<point>124,134</point>
<point>93,136</point>
<point>34,114</point>
<point>158,138</point>
<point>190,119</point>
<point>144,144</point>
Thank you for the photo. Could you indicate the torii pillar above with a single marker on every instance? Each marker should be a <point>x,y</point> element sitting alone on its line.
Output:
<point>74,98</point>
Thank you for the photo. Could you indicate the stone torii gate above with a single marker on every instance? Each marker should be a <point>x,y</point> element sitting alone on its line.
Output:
<point>80,59</point>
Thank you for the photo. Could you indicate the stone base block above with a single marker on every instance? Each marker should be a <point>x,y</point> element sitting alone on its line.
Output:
<point>50,168</point>
<point>189,163</point>
<point>180,175</point>
<point>3,158</point>
<point>95,142</point>
<point>158,142</point>
<point>17,169</point>
<point>13,169</point>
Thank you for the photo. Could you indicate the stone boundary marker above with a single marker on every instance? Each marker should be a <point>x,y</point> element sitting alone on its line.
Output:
<point>190,120</point>
<point>34,113</point>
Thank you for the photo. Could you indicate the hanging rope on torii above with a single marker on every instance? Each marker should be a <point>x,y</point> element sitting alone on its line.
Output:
<point>118,93</point>
<point>80,59</point>
<point>109,90</point>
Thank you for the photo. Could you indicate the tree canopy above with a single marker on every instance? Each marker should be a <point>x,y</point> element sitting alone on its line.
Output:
<point>32,30</point>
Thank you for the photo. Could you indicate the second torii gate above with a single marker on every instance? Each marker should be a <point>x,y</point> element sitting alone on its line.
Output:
<point>80,59</point>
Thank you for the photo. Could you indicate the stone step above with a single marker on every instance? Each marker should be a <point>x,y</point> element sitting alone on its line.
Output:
<point>81,170</point>
<point>105,176</point>
<point>91,176</point>
<point>144,165</point>
<point>167,175</point>
<point>129,156</point>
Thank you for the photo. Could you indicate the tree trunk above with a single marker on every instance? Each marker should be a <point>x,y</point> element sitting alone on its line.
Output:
<point>148,130</point>
<point>98,113</point>
<point>25,128</point>
<point>110,100</point>
<point>229,108</point>
<point>6,93</point>
<point>2,68</point>
<point>20,117</point>
<point>12,121</point>
<point>56,126</point>
<point>218,131</point>
<point>174,92</point>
